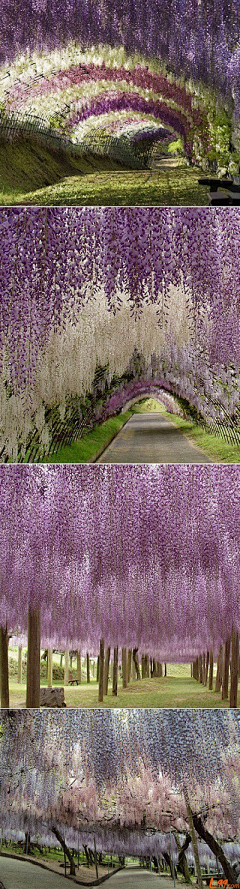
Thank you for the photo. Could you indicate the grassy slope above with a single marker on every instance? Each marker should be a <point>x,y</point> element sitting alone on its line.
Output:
<point>28,166</point>
<point>31,174</point>
<point>215,447</point>
<point>88,447</point>
<point>172,691</point>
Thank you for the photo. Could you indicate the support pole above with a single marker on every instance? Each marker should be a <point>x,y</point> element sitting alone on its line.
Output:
<point>115,672</point>
<point>234,669</point>
<point>106,671</point>
<point>49,668</point>
<point>79,667</point>
<point>124,667</point>
<point>226,661</point>
<point>218,682</point>
<point>66,667</point>
<point>101,670</point>
<point>129,664</point>
<point>19,664</point>
<point>4,677</point>
<point>210,685</point>
<point>33,657</point>
<point>88,668</point>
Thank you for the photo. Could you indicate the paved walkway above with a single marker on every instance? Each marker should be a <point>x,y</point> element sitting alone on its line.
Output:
<point>23,875</point>
<point>151,438</point>
<point>137,878</point>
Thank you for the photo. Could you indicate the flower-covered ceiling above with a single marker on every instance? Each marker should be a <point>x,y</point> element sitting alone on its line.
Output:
<point>141,556</point>
<point>105,303</point>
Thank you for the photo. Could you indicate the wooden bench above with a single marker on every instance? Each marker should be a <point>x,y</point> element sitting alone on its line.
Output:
<point>232,196</point>
<point>72,681</point>
<point>52,697</point>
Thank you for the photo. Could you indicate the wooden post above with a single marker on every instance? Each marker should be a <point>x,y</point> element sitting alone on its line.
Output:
<point>106,671</point>
<point>19,664</point>
<point>101,670</point>
<point>115,672</point>
<point>79,667</point>
<point>218,682</point>
<point>4,677</point>
<point>210,684</point>
<point>66,667</point>
<point>49,668</point>
<point>200,661</point>
<point>33,657</point>
<point>147,666</point>
<point>124,667</point>
<point>226,660</point>
<point>194,840</point>
<point>143,666</point>
<point>88,668</point>
<point>129,664</point>
<point>197,669</point>
<point>234,669</point>
<point>206,668</point>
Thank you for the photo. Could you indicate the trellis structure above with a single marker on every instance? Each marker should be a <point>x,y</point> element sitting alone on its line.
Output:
<point>110,558</point>
<point>98,304</point>
<point>119,778</point>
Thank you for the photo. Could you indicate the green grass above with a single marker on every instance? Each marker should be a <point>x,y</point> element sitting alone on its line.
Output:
<point>171,691</point>
<point>89,446</point>
<point>215,447</point>
<point>32,174</point>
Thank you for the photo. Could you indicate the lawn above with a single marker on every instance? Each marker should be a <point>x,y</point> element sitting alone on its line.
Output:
<point>91,445</point>
<point>32,174</point>
<point>177,689</point>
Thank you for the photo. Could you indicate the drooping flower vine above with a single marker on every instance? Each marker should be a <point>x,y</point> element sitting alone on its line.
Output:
<point>94,301</point>
<point>143,556</point>
<point>120,777</point>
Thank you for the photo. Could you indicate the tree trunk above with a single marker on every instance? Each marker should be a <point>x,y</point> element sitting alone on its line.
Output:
<point>200,668</point>
<point>4,677</point>
<point>101,671</point>
<point>182,860</point>
<point>124,667</point>
<point>136,663</point>
<point>19,664</point>
<point>88,668</point>
<point>169,862</point>
<point>160,670</point>
<point>143,666</point>
<point>206,668</point>
<point>66,667</point>
<point>33,658</point>
<point>129,664</point>
<point>115,672</point>
<point>106,671</point>
<point>79,667</point>
<point>165,669</point>
<point>66,850</point>
<point>49,668</point>
<point>210,685</point>
<point>218,682</point>
<point>226,661</point>
<point>234,669</point>
<point>215,847</point>
<point>194,840</point>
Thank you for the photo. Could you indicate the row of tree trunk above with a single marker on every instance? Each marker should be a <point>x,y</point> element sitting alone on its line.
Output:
<point>130,667</point>
<point>227,674</point>
<point>202,668</point>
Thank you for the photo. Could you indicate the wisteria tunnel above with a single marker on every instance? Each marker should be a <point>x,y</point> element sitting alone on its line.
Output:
<point>98,306</point>
<point>94,79</point>
<point>153,785</point>
<point>125,563</point>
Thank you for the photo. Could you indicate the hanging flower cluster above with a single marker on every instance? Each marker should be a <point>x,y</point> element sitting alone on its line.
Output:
<point>120,776</point>
<point>68,95</point>
<point>93,301</point>
<point>207,35</point>
<point>142,556</point>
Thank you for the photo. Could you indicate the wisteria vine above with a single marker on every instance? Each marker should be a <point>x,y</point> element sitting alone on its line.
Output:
<point>120,777</point>
<point>143,556</point>
<point>94,301</point>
